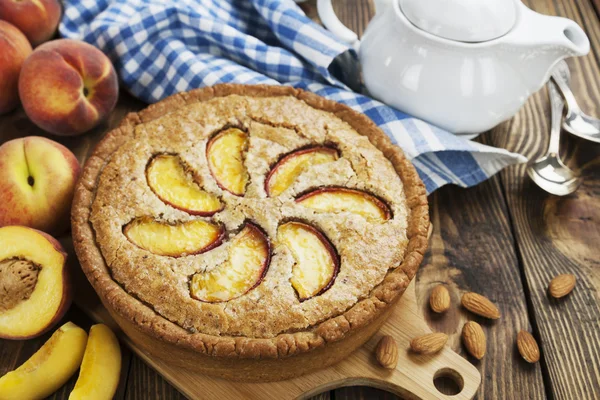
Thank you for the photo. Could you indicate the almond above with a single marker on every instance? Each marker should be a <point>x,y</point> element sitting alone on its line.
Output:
<point>561,285</point>
<point>480,305</point>
<point>429,344</point>
<point>386,352</point>
<point>474,339</point>
<point>439,300</point>
<point>528,347</point>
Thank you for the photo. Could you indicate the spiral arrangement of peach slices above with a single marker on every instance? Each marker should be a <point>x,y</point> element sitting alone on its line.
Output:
<point>249,251</point>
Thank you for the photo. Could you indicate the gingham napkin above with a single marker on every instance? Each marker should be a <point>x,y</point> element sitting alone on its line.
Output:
<point>161,47</point>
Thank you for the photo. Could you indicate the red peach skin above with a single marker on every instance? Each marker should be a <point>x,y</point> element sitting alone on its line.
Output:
<point>37,180</point>
<point>14,49</point>
<point>37,19</point>
<point>67,87</point>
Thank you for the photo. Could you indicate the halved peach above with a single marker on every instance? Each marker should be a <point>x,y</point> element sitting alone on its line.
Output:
<point>34,282</point>
<point>285,172</point>
<point>248,259</point>
<point>317,263</point>
<point>169,180</point>
<point>49,368</point>
<point>338,199</point>
<point>174,240</point>
<point>101,366</point>
<point>225,154</point>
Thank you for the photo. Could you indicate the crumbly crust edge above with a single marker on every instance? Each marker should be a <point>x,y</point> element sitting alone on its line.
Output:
<point>335,329</point>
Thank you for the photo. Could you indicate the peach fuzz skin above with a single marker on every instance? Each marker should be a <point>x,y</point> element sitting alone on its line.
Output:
<point>37,19</point>
<point>37,180</point>
<point>67,87</point>
<point>14,49</point>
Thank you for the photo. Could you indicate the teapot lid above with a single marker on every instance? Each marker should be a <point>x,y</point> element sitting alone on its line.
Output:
<point>462,20</point>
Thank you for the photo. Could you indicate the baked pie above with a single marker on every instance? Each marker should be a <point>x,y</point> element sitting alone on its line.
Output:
<point>249,232</point>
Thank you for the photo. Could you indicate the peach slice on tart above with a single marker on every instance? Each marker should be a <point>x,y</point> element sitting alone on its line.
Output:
<point>285,171</point>
<point>167,177</point>
<point>248,258</point>
<point>225,154</point>
<point>338,199</point>
<point>317,263</point>
<point>174,240</point>
<point>34,282</point>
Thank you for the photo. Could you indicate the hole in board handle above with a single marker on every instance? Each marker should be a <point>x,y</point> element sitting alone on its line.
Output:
<point>449,382</point>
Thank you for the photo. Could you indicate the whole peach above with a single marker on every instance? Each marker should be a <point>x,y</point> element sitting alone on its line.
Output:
<point>67,87</point>
<point>37,180</point>
<point>14,49</point>
<point>37,19</point>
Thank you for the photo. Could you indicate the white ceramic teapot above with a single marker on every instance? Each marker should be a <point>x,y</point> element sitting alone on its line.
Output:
<point>463,65</point>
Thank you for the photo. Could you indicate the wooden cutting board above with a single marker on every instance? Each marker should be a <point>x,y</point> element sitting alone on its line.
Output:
<point>412,378</point>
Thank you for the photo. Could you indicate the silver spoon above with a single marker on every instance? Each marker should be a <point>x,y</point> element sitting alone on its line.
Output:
<point>549,172</point>
<point>576,121</point>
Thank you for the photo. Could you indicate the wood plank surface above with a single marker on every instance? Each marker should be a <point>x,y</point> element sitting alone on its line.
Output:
<point>557,235</point>
<point>504,238</point>
<point>472,245</point>
<point>472,250</point>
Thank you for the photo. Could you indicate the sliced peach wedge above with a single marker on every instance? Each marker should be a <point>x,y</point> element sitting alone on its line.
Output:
<point>225,154</point>
<point>49,368</point>
<point>170,181</point>
<point>317,263</point>
<point>174,240</point>
<point>248,259</point>
<point>35,289</point>
<point>337,199</point>
<point>284,173</point>
<point>101,366</point>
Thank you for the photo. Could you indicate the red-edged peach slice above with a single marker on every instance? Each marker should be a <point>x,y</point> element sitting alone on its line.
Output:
<point>225,154</point>
<point>35,289</point>
<point>174,240</point>
<point>317,263</point>
<point>169,180</point>
<point>248,259</point>
<point>337,199</point>
<point>285,172</point>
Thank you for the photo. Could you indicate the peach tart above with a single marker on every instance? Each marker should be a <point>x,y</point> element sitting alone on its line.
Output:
<point>253,233</point>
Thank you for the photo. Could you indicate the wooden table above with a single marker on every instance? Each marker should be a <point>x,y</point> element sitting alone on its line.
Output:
<point>504,238</point>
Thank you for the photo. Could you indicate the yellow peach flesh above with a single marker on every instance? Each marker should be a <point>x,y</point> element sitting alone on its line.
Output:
<point>168,179</point>
<point>49,368</point>
<point>345,200</point>
<point>315,264</point>
<point>289,168</point>
<point>190,237</point>
<point>27,317</point>
<point>248,255</point>
<point>101,366</point>
<point>226,160</point>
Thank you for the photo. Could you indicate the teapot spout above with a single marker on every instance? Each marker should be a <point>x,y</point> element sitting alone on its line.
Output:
<point>543,41</point>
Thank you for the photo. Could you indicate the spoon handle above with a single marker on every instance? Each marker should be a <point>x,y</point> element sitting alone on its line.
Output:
<point>556,109</point>
<point>559,77</point>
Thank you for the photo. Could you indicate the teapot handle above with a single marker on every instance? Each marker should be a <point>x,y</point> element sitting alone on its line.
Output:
<point>332,23</point>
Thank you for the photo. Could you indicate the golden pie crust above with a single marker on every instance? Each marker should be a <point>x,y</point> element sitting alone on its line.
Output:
<point>149,294</point>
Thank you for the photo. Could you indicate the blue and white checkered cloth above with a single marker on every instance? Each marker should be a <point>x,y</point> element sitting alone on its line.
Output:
<point>161,47</point>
